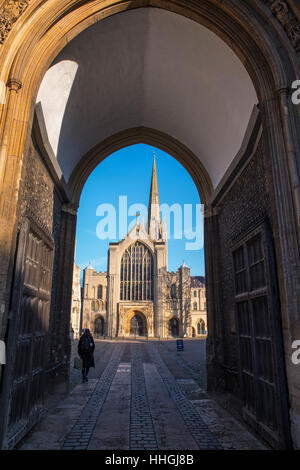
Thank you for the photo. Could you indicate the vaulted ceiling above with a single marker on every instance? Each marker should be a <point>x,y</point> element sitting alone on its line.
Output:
<point>153,68</point>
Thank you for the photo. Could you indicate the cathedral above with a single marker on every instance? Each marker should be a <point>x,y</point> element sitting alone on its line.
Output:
<point>137,295</point>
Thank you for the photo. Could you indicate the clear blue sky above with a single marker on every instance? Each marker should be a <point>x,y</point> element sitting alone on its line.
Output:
<point>128,173</point>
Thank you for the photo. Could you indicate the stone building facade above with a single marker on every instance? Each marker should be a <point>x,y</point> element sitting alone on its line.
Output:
<point>76,303</point>
<point>198,306</point>
<point>137,295</point>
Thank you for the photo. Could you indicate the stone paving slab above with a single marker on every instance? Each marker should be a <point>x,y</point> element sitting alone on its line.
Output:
<point>81,433</point>
<point>140,397</point>
<point>197,427</point>
<point>142,432</point>
<point>229,432</point>
<point>50,433</point>
<point>191,389</point>
<point>192,359</point>
<point>112,428</point>
<point>170,428</point>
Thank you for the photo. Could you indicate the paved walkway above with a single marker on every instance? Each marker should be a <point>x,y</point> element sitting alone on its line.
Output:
<point>141,395</point>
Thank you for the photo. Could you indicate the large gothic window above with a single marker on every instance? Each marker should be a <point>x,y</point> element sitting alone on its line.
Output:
<point>201,328</point>
<point>136,273</point>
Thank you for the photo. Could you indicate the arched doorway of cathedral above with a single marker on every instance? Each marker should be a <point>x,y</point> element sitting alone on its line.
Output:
<point>174,327</point>
<point>244,166</point>
<point>136,324</point>
<point>99,329</point>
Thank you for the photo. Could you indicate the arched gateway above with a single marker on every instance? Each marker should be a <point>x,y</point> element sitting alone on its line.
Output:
<point>173,327</point>
<point>137,325</point>
<point>99,327</point>
<point>247,179</point>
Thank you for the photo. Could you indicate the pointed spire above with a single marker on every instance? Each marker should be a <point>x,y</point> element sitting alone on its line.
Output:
<point>154,222</point>
<point>164,234</point>
<point>137,218</point>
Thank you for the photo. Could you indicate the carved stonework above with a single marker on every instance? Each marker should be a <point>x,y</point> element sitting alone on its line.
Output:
<point>14,84</point>
<point>9,13</point>
<point>127,312</point>
<point>38,222</point>
<point>288,20</point>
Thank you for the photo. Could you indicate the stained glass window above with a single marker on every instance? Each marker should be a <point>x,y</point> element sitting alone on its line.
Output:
<point>136,282</point>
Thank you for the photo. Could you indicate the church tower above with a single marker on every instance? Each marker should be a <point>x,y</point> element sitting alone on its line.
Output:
<point>137,267</point>
<point>157,230</point>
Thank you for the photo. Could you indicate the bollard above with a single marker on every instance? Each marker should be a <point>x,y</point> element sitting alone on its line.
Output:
<point>179,344</point>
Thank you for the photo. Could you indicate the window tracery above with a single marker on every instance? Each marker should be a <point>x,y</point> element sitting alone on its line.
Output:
<point>136,280</point>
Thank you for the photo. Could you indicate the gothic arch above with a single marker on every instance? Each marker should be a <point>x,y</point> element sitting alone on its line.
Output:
<point>136,273</point>
<point>127,322</point>
<point>242,28</point>
<point>201,329</point>
<point>173,327</point>
<point>263,46</point>
<point>148,136</point>
<point>127,243</point>
<point>99,326</point>
<point>267,54</point>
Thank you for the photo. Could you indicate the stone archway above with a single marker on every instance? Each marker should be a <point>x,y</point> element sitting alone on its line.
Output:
<point>272,64</point>
<point>147,136</point>
<point>99,327</point>
<point>135,324</point>
<point>173,327</point>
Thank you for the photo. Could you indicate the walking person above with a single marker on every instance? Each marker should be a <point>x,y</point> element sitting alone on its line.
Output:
<point>86,348</point>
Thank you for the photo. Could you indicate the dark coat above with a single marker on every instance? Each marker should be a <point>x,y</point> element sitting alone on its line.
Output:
<point>87,357</point>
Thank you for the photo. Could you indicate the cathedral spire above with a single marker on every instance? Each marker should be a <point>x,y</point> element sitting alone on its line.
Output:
<point>154,222</point>
<point>164,234</point>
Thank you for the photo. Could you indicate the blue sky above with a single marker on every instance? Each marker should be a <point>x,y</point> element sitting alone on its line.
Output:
<point>128,173</point>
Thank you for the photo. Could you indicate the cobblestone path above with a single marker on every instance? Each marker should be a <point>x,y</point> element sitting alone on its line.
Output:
<point>195,424</point>
<point>142,433</point>
<point>81,433</point>
<point>142,395</point>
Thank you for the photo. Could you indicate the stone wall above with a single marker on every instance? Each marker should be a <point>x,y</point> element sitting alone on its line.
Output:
<point>93,302</point>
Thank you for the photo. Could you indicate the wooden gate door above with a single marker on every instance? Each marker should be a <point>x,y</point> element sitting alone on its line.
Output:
<point>262,370</point>
<point>28,326</point>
